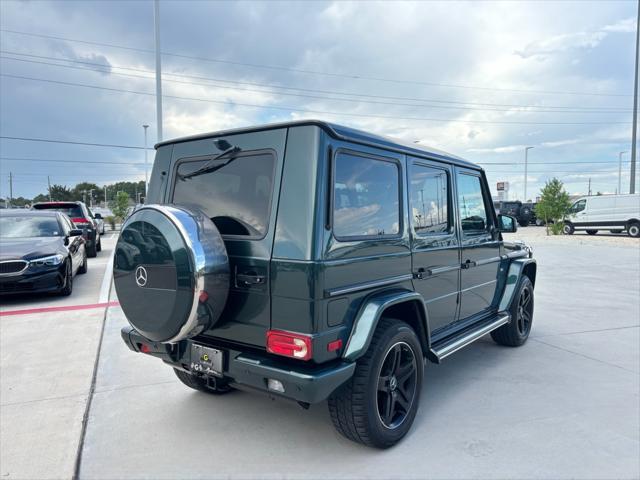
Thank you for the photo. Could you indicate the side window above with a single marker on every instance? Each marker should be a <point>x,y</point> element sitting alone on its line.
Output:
<point>578,206</point>
<point>473,214</point>
<point>429,200</point>
<point>366,197</point>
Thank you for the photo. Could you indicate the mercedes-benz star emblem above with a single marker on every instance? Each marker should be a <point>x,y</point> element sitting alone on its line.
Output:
<point>141,276</point>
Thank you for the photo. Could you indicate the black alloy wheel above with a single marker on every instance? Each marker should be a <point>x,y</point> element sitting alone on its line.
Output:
<point>516,332</point>
<point>525,311</point>
<point>397,382</point>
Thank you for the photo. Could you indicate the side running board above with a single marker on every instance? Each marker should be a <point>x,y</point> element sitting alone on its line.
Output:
<point>445,347</point>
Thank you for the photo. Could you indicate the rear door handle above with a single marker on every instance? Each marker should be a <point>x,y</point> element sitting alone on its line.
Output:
<point>468,264</point>
<point>249,278</point>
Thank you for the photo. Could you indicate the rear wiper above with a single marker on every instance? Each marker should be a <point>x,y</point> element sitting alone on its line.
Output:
<point>211,165</point>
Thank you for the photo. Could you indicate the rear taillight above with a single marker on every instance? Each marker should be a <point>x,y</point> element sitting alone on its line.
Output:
<point>79,220</point>
<point>289,344</point>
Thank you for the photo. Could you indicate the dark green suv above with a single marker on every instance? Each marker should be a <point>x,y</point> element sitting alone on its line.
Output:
<point>312,261</point>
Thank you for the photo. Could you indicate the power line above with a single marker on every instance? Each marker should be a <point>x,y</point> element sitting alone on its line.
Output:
<point>314,72</point>
<point>321,112</point>
<point>510,107</point>
<point>68,161</point>
<point>26,139</point>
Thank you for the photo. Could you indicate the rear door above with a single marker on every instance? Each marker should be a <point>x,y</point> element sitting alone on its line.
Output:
<point>241,198</point>
<point>480,246</point>
<point>435,246</point>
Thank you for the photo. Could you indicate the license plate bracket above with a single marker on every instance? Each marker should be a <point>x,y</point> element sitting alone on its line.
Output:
<point>207,360</point>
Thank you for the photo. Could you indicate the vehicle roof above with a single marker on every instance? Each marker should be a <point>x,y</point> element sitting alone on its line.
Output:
<point>58,204</point>
<point>23,212</point>
<point>340,132</point>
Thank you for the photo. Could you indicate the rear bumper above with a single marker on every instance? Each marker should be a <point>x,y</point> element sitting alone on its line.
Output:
<point>303,383</point>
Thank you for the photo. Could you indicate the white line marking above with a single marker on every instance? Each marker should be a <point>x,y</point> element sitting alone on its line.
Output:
<point>105,288</point>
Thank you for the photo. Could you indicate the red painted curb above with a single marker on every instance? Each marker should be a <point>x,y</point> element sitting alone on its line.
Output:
<point>63,308</point>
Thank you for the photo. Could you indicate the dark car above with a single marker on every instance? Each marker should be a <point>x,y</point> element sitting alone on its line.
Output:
<point>82,218</point>
<point>312,261</point>
<point>39,252</point>
<point>523,212</point>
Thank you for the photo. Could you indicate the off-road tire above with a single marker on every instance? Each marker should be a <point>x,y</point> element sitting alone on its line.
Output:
<point>522,223</point>
<point>354,406</point>
<point>92,251</point>
<point>83,267</point>
<point>512,334</point>
<point>592,232</point>
<point>99,245</point>
<point>568,229</point>
<point>633,229</point>
<point>67,288</point>
<point>200,383</point>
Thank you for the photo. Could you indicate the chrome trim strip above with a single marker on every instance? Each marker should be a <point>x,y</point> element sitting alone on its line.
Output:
<point>367,285</point>
<point>462,342</point>
<point>486,261</point>
<point>439,270</point>
<point>11,274</point>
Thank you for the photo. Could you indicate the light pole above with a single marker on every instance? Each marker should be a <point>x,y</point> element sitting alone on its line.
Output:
<point>526,158</point>
<point>156,24</point>
<point>146,172</point>
<point>91,198</point>
<point>620,172</point>
<point>634,132</point>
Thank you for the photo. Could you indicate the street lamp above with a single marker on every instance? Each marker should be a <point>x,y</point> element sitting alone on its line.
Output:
<point>526,157</point>
<point>146,173</point>
<point>620,172</point>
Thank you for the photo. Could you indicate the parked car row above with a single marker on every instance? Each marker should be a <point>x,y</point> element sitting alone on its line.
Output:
<point>42,249</point>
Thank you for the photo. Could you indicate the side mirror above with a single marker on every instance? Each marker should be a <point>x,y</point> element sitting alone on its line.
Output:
<point>76,232</point>
<point>507,223</point>
<point>98,216</point>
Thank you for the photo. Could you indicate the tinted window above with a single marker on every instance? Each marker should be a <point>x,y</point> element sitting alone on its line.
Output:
<point>578,206</point>
<point>429,200</point>
<point>29,227</point>
<point>73,210</point>
<point>236,196</point>
<point>366,197</point>
<point>473,215</point>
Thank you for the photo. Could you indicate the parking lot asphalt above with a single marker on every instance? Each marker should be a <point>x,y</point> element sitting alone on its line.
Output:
<point>565,405</point>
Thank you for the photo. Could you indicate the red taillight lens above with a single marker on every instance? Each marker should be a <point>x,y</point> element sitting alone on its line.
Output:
<point>79,220</point>
<point>144,348</point>
<point>335,345</point>
<point>289,344</point>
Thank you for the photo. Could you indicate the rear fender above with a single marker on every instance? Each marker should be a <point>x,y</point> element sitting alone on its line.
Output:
<point>373,309</point>
<point>517,268</point>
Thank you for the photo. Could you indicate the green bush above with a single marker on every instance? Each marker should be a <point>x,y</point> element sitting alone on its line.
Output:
<point>556,228</point>
<point>111,220</point>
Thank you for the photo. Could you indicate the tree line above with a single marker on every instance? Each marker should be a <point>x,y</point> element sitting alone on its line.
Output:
<point>84,192</point>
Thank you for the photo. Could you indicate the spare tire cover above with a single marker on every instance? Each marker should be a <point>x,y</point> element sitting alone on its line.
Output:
<point>171,272</point>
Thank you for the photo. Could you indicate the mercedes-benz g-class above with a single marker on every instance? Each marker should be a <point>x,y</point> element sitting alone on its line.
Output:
<point>312,261</point>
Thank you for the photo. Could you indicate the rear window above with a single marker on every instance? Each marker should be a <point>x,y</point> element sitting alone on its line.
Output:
<point>73,210</point>
<point>29,227</point>
<point>237,196</point>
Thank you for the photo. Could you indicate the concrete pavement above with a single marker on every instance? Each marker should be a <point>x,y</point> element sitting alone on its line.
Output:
<point>46,370</point>
<point>563,406</point>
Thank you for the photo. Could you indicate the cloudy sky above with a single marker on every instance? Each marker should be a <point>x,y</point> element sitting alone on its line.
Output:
<point>482,80</point>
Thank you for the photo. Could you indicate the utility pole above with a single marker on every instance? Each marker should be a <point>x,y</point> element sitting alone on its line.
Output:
<point>146,171</point>
<point>589,191</point>
<point>526,158</point>
<point>91,198</point>
<point>10,188</point>
<point>632,185</point>
<point>84,196</point>
<point>49,183</point>
<point>156,23</point>
<point>105,196</point>
<point>620,172</point>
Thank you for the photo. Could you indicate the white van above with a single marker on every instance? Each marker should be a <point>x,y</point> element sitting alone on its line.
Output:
<point>605,212</point>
